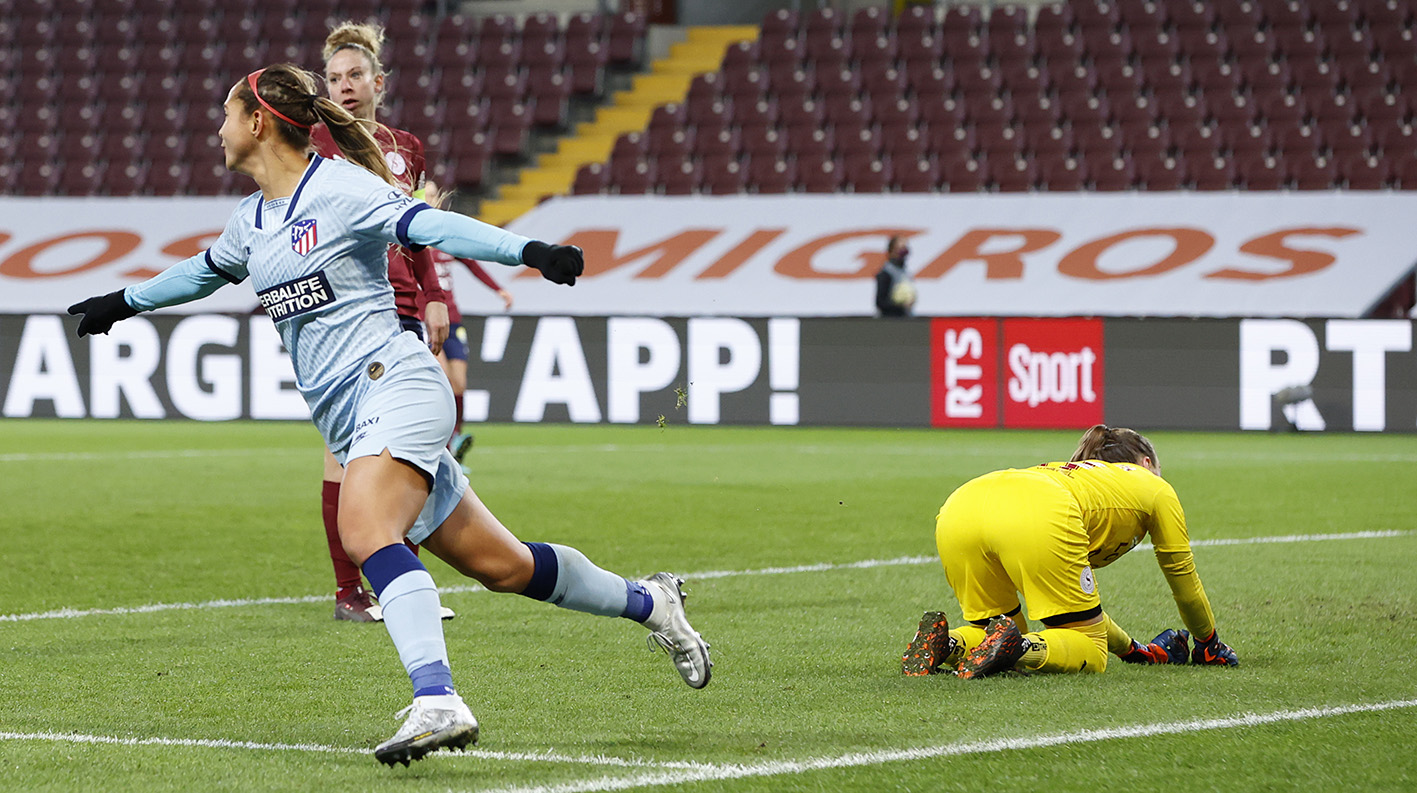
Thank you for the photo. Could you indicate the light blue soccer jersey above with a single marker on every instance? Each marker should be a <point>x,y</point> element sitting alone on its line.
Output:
<point>318,261</point>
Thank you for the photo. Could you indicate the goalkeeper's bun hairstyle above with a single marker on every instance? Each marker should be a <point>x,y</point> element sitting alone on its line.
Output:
<point>289,93</point>
<point>366,38</point>
<point>1114,445</point>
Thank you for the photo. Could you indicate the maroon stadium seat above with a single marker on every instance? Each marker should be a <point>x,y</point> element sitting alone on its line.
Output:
<point>1111,175</point>
<point>666,140</point>
<point>726,180</point>
<point>631,178</point>
<point>1314,172</point>
<point>1096,16</point>
<point>1064,174</point>
<point>681,177</point>
<point>869,176</point>
<point>1142,16</point>
<point>1155,173</point>
<point>1013,174</point>
<point>625,41</point>
<point>1261,173</point>
<point>1149,140</point>
<point>1216,173</point>
<point>1364,172</point>
<point>963,176</point>
<point>920,176</point>
<point>539,28</point>
<point>586,60</point>
<point>764,141</point>
<point>770,175</point>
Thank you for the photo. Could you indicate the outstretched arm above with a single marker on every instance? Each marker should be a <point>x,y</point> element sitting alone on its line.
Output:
<point>188,280</point>
<point>1178,564</point>
<point>467,238</point>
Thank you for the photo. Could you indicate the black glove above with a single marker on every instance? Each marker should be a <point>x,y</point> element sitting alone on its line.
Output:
<point>559,264</point>
<point>101,312</point>
<point>1213,652</point>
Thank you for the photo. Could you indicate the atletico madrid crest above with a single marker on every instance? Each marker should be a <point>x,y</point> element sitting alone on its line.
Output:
<point>302,236</point>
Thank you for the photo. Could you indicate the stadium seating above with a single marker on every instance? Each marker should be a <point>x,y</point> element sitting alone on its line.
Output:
<point>104,86</point>
<point>1087,95</point>
<point>117,96</point>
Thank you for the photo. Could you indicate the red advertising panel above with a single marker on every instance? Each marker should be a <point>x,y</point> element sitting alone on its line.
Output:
<point>964,368</point>
<point>1052,373</point>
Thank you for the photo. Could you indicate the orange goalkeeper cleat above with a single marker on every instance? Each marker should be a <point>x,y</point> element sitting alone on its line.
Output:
<point>1002,647</point>
<point>930,648</point>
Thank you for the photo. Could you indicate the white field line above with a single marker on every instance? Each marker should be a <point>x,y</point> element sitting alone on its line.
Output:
<point>155,454</point>
<point>823,567</point>
<point>735,448</point>
<point>859,759</point>
<point>219,743</point>
<point>678,772</point>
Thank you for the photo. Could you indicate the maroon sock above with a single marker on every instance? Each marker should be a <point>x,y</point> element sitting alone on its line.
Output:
<point>346,571</point>
<point>457,405</point>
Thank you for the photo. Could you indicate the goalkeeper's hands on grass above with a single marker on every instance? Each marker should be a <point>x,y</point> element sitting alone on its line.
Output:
<point>1169,647</point>
<point>99,313</point>
<point>559,264</point>
<point>1213,652</point>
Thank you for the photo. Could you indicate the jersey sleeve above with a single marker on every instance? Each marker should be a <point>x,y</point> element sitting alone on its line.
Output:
<point>383,212</point>
<point>1178,564</point>
<point>227,256</point>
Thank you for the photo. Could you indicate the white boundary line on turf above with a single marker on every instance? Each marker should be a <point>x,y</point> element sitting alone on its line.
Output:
<point>156,454</point>
<point>718,773</point>
<point>611,448</point>
<point>221,743</point>
<point>679,772</point>
<point>823,567</point>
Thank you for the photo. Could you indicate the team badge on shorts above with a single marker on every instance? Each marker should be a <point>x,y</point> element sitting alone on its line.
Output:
<point>302,236</point>
<point>1089,585</point>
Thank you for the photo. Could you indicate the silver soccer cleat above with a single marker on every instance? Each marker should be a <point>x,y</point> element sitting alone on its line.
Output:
<point>433,723</point>
<point>670,631</point>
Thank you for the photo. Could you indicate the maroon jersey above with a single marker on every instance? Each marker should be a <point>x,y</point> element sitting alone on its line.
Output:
<point>409,272</point>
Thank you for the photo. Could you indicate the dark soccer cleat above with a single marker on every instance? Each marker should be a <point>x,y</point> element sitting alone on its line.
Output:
<point>1002,647</point>
<point>930,647</point>
<point>433,723</point>
<point>355,604</point>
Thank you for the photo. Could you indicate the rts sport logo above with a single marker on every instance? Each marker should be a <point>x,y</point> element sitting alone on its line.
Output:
<point>1016,372</point>
<point>964,362</point>
<point>1054,371</point>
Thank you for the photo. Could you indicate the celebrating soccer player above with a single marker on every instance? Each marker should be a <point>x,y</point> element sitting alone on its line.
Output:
<point>1041,532</point>
<point>313,241</point>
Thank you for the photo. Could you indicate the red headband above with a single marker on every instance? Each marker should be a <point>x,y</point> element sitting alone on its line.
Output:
<point>251,80</point>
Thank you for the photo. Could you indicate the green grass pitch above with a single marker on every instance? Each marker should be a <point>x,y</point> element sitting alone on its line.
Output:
<point>267,692</point>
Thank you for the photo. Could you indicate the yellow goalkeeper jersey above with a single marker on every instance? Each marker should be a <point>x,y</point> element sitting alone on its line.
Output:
<point>1121,503</point>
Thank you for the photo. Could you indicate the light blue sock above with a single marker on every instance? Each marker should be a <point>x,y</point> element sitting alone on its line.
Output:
<point>411,614</point>
<point>565,577</point>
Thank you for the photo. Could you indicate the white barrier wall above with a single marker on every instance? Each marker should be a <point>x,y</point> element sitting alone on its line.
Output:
<point>1117,254</point>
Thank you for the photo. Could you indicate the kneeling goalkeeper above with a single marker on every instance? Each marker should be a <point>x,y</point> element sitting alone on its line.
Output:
<point>1041,532</point>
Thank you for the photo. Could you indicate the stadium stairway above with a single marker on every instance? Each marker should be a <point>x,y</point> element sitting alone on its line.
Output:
<point>666,81</point>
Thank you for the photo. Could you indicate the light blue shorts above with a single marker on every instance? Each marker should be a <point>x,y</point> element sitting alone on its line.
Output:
<point>409,411</point>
